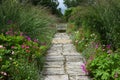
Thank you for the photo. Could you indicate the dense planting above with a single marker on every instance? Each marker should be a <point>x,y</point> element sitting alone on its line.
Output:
<point>95,32</point>
<point>25,35</point>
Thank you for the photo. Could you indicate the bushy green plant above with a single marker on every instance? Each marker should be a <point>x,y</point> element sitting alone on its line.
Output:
<point>105,66</point>
<point>19,53</point>
<point>83,38</point>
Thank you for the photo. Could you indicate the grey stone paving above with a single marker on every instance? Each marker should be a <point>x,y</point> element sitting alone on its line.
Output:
<point>63,62</point>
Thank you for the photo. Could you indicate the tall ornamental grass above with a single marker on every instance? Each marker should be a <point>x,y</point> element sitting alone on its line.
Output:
<point>36,22</point>
<point>101,16</point>
<point>104,18</point>
<point>25,35</point>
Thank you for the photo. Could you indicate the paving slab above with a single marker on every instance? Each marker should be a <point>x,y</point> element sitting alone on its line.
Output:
<point>54,54</point>
<point>61,41</point>
<point>74,68</point>
<point>73,58</point>
<point>56,77</point>
<point>54,64</point>
<point>71,53</point>
<point>54,71</point>
<point>55,58</point>
<point>76,77</point>
<point>63,62</point>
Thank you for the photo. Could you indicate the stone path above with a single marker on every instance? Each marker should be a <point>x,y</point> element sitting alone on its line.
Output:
<point>63,62</point>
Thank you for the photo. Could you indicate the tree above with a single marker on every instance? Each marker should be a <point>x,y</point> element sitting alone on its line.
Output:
<point>74,3</point>
<point>51,4</point>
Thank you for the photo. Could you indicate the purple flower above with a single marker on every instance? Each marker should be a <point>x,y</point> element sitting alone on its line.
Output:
<point>28,38</point>
<point>108,46</point>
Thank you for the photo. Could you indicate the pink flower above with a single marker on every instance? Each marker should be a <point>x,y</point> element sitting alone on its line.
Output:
<point>3,73</point>
<point>96,46</point>
<point>27,47</point>
<point>23,46</point>
<point>7,33</point>
<point>12,47</point>
<point>84,68</point>
<point>35,40</point>
<point>21,34</point>
<point>1,47</point>
<point>116,75</point>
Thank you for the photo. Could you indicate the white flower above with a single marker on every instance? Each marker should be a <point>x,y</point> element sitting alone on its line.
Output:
<point>1,46</point>
<point>10,58</point>
<point>13,52</point>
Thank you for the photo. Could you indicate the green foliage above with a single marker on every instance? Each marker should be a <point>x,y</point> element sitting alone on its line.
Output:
<point>68,14</point>
<point>51,4</point>
<point>26,33</point>
<point>18,56</point>
<point>103,18</point>
<point>101,66</point>
<point>100,17</point>
<point>83,38</point>
<point>34,21</point>
<point>96,34</point>
<point>75,3</point>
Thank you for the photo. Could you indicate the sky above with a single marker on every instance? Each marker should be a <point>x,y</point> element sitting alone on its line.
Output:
<point>62,6</point>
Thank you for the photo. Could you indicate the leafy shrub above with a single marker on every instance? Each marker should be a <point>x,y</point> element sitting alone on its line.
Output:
<point>83,38</point>
<point>68,14</point>
<point>105,66</point>
<point>26,32</point>
<point>18,56</point>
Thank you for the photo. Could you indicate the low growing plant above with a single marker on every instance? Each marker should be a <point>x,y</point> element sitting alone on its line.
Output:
<point>105,66</point>
<point>18,56</point>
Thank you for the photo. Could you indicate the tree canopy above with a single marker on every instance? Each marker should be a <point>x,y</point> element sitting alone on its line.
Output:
<point>74,3</point>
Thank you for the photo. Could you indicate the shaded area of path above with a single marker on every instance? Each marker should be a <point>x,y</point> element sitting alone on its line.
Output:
<point>63,62</point>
